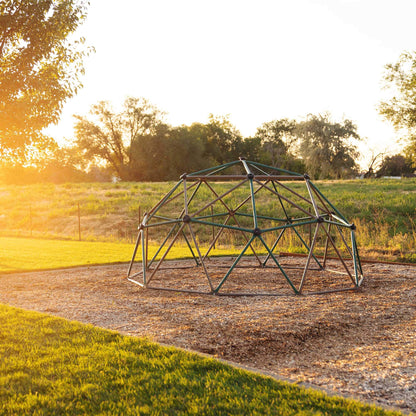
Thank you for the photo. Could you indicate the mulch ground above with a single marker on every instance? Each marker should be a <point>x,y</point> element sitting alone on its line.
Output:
<point>360,343</point>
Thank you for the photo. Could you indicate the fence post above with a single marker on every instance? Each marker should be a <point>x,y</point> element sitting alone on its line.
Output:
<point>79,223</point>
<point>30,220</point>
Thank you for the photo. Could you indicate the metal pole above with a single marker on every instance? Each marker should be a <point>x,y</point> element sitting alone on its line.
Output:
<point>315,207</point>
<point>253,204</point>
<point>200,257</point>
<point>134,253</point>
<point>144,258</point>
<point>286,199</point>
<point>339,255</point>
<point>212,245</point>
<point>234,264</point>
<point>166,252</point>
<point>274,246</point>
<point>311,249</point>
<point>213,230</point>
<point>278,265</point>
<point>232,214</point>
<point>310,230</point>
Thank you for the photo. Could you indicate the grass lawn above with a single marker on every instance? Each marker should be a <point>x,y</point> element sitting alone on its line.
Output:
<point>51,366</point>
<point>26,254</point>
<point>19,254</point>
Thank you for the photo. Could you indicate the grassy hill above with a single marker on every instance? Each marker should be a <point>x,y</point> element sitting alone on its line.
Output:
<point>383,210</point>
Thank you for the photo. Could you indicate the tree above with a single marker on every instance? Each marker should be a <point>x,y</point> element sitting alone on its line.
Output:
<point>56,165</point>
<point>39,66</point>
<point>396,165</point>
<point>326,147</point>
<point>169,152</point>
<point>114,137</point>
<point>400,109</point>
<point>187,150</point>
<point>277,142</point>
<point>223,140</point>
<point>374,161</point>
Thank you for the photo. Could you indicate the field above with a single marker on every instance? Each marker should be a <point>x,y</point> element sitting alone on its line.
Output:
<point>383,210</point>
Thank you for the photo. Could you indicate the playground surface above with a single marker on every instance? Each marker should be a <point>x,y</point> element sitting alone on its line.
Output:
<point>358,343</point>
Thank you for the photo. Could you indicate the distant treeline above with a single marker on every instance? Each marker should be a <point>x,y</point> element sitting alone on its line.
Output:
<point>137,145</point>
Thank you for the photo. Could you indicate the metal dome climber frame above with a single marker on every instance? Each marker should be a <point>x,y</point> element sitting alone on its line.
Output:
<point>231,202</point>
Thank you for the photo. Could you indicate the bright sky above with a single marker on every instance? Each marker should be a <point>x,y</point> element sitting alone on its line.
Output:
<point>255,61</point>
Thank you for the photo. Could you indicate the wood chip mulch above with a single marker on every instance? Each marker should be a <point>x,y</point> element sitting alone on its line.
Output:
<point>360,344</point>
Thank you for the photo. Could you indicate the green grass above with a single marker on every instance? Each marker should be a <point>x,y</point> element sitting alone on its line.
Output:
<point>383,210</point>
<point>51,366</point>
<point>19,254</point>
<point>26,254</point>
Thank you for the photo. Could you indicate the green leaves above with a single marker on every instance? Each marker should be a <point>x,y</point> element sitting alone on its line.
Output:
<point>327,147</point>
<point>39,67</point>
<point>400,107</point>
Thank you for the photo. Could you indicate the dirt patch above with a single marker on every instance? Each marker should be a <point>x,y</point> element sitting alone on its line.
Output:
<point>361,344</point>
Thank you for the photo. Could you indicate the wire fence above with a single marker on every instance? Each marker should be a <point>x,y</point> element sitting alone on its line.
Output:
<point>73,223</point>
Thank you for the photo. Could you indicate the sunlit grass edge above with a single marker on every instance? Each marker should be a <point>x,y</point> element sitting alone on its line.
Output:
<point>28,254</point>
<point>53,366</point>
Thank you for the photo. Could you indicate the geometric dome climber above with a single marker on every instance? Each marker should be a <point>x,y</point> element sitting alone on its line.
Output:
<point>257,213</point>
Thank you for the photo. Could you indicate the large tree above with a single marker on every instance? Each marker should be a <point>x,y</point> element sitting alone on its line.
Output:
<point>277,140</point>
<point>168,153</point>
<point>400,108</point>
<point>223,141</point>
<point>114,137</point>
<point>328,147</point>
<point>39,66</point>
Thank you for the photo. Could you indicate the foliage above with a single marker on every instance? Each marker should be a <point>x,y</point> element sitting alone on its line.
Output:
<point>55,165</point>
<point>278,142</point>
<point>53,366</point>
<point>157,151</point>
<point>39,67</point>
<point>326,147</point>
<point>400,108</point>
<point>167,153</point>
<point>222,143</point>
<point>138,145</point>
<point>112,136</point>
<point>396,165</point>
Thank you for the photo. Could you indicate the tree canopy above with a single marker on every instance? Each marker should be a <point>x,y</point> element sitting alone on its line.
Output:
<point>278,142</point>
<point>113,137</point>
<point>400,108</point>
<point>395,165</point>
<point>39,66</point>
<point>327,148</point>
<point>138,145</point>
